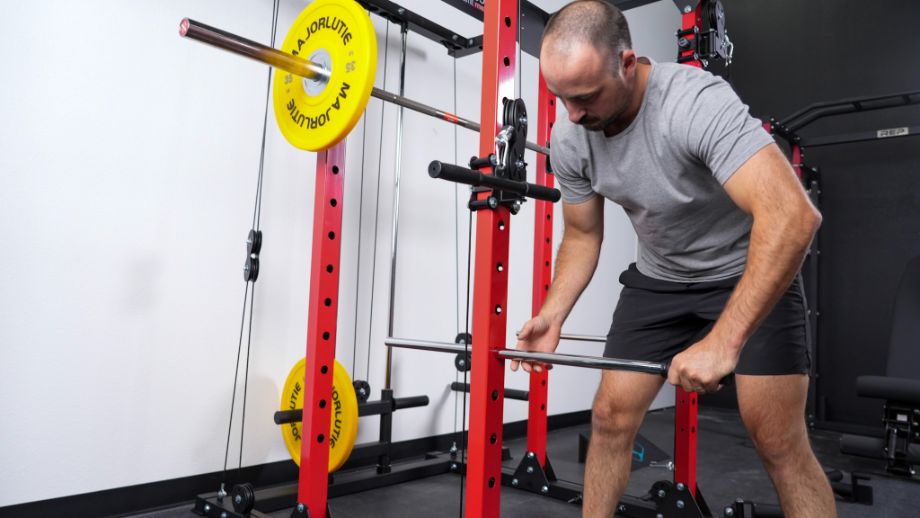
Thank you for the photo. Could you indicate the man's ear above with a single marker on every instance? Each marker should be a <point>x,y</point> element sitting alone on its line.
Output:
<point>628,62</point>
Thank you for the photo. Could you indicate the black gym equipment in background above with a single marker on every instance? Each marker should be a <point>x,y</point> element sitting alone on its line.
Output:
<point>791,54</point>
<point>899,388</point>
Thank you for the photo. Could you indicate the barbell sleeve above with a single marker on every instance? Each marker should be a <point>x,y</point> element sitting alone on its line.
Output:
<point>379,407</point>
<point>230,42</point>
<point>388,406</point>
<point>516,394</point>
<point>288,416</point>
<point>459,174</point>
<point>221,39</point>
<point>410,402</point>
<point>364,409</point>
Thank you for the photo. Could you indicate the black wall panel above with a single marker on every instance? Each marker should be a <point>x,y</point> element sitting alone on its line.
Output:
<point>789,54</point>
<point>871,204</point>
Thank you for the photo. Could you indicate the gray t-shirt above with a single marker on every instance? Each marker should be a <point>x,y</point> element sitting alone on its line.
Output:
<point>667,169</point>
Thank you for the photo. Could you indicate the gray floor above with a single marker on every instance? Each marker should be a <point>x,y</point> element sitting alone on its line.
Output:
<point>728,468</point>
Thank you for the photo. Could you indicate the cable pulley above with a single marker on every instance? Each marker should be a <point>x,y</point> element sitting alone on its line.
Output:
<point>254,242</point>
<point>243,497</point>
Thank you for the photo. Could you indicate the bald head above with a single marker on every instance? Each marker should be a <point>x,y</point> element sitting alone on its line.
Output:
<point>587,22</point>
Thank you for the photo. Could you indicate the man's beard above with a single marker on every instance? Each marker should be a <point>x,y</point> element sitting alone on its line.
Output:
<point>596,124</point>
<point>601,124</point>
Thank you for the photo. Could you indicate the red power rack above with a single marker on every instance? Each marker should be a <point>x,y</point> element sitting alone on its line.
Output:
<point>490,291</point>
<point>312,487</point>
<point>489,300</point>
<point>542,273</point>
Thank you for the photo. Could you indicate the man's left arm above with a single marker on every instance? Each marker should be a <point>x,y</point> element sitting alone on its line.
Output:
<point>785,222</point>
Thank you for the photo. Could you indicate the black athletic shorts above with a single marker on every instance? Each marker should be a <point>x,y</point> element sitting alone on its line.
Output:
<point>654,320</point>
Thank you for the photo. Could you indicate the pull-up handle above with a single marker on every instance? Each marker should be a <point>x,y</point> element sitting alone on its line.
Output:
<point>458,174</point>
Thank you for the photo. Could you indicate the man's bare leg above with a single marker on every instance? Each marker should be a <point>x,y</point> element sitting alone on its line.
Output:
<point>619,407</point>
<point>773,410</point>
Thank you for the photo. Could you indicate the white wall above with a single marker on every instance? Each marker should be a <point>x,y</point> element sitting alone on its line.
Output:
<point>129,159</point>
<point>652,28</point>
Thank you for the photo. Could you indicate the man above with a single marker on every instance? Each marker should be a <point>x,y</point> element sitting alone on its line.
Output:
<point>723,227</point>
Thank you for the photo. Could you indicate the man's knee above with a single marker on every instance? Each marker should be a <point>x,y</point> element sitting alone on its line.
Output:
<point>612,419</point>
<point>773,410</point>
<point>780,443</point>
<point>621,402</point>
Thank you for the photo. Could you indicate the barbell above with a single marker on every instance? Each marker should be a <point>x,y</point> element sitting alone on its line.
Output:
<point>324,74</point>
<point>571,360</point>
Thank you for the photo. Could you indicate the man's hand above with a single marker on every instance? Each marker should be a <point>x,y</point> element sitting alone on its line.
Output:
<point>703,365</point>
<point>575,264</point>
<point>539,334</point>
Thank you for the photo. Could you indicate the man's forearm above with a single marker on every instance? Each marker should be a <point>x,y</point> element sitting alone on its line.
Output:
<point>775,255</point>
<point>575,265</point>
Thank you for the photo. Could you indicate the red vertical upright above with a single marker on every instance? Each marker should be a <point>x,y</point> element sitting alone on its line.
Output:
<point>797,155</point>
<point>542,271</point>
<point>312,489</point>
<point>685,415</point>
<point>797,160</point>
<point>688,21</point>
<point>490,289</point>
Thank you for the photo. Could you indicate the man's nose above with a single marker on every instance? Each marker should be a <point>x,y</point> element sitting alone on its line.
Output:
<point>575,114</point>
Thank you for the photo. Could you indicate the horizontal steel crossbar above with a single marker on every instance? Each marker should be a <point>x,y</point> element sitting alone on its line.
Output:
<point>573,360</point>
<point>592,362</point>
<point>583,338</point>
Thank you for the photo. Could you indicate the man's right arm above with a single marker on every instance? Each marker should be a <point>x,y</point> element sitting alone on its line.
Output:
<point>575,264</point>
<point>577,257</point>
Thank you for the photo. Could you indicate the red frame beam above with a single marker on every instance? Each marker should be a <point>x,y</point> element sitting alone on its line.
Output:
<point>542,272</point>
<point>686,408</point>
<point>685,421</point>
<point>688,21</point>
<point>797,160</point>
<point>313,483</point>
<point>797,155</point>
<point>490,289</point>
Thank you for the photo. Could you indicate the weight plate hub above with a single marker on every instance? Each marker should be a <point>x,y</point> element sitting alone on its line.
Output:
<point>343,427</point>
<point>338,34</point>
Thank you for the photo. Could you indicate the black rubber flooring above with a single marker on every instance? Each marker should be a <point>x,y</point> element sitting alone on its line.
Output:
<point>728,468</point>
